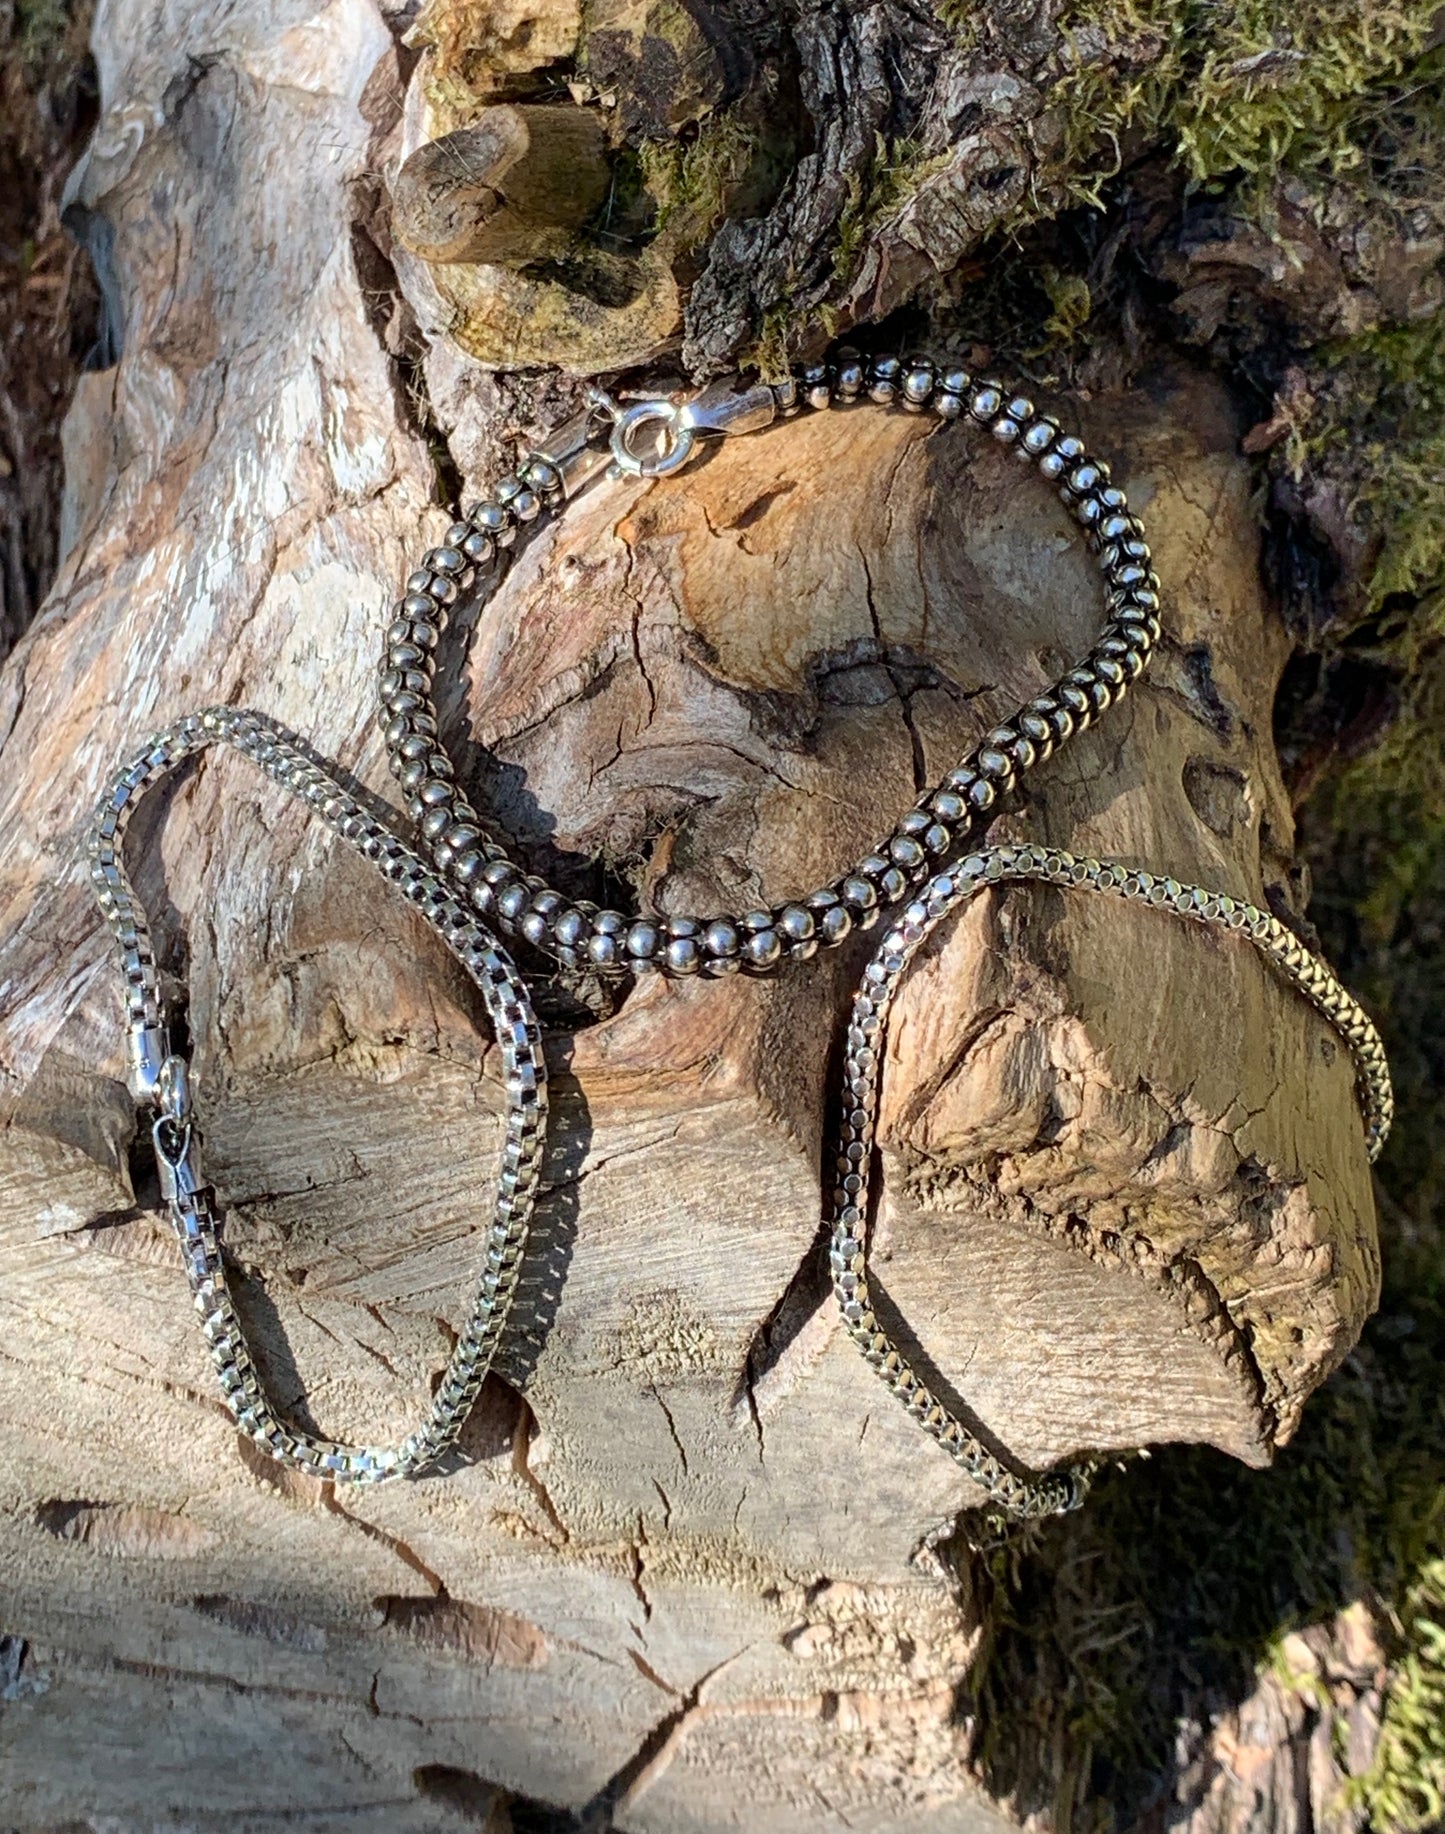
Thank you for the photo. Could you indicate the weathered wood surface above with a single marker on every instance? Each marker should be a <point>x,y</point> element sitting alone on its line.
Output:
<point>603,310</point>
<point>515,186</point>
<point>684,1564</point>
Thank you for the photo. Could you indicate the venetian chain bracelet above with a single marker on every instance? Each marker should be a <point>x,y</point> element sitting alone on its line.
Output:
<point>161,1084</point>
<point>477,885</point>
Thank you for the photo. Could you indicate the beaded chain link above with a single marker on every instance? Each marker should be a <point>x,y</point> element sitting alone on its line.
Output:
<point>1054,1493</point>
<point>577,933</point>
<point>160,1081</point>
<point>473,884</point>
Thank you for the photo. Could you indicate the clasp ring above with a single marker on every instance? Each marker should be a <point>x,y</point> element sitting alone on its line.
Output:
<point>677,440</point>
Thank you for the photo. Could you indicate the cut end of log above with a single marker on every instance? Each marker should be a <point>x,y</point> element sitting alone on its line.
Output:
<point>512,188</point>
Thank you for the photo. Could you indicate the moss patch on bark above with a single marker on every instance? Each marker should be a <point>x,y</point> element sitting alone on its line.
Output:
<point>1250,86</point>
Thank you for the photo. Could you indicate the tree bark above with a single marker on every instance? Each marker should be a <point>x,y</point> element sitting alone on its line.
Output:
<point>690,1567</point>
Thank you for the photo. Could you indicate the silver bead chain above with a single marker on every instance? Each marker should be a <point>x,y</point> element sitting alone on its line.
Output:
<point>577,933</point>
<point>160,1081</point>
<point>475,884</point>
<point>1054,1493</point>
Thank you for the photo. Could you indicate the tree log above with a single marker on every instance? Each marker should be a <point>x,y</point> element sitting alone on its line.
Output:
<point>601,309</point>
<point>690,1564</point>
<point>514,187</point>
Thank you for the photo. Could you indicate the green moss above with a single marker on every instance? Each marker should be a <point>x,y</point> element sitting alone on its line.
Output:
<point>1404,1788</point>
<point>41,28</point>
<point>771,356</point>
<point>49,33</point>
<point>894,173</point>
<point>696,185</point>
<point>1071,304</point>
<point>1396,398</point>
<point>852,224</point>
<point>1245,86</point>
<point>674,25</point>
<point>1387,813</point>
<point>961,17</point>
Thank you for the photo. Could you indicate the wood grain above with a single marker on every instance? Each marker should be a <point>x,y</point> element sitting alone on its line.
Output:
<point>685,1561</point>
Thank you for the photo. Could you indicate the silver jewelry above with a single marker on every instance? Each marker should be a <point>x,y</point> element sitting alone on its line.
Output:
<point>474,879</point>
<point>160,1081</point>
<point>607,438</point>
<point>1056,1492</point>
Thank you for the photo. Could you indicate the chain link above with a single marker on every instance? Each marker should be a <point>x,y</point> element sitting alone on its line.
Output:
<point>160,1078</point>
<point>1054,1493</point>
<point>951,814</point>
<point>476,883</point>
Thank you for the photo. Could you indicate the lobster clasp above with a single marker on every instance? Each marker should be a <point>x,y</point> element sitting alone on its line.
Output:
<point>173,1134</point>
<point>173,1091</point>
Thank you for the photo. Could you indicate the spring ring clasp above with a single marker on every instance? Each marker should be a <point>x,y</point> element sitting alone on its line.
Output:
<point>722,407</point>
<point>671,451</point>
